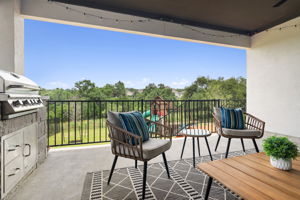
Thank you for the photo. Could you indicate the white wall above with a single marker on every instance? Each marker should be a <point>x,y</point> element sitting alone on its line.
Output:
<point>273,79</point>
<point>11,36</point>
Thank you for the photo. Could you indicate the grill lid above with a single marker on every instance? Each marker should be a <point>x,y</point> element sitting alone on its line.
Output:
<point>12,83</point>
<point>18,95</point>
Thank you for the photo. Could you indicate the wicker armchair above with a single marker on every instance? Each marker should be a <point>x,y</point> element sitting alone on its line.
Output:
<point>254,129</point>
<point>128,145</point>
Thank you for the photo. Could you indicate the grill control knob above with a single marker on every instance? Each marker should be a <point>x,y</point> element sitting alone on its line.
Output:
<point>16,103</point>
<point>25,102</point>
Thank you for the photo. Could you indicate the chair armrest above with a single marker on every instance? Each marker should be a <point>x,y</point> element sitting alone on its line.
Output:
<point>165,132</point>
<point>125,143</point>
<point>252,122</point>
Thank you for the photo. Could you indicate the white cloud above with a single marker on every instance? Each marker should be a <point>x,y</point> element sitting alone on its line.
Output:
<point>138,83</point>
<point>180,83</point>
<point>129,84</point>
<point>57,84</point>
<point>145,80</point>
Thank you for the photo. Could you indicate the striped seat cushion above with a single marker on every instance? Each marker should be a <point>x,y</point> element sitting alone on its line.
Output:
<point>232,118</point>
<point>135,123</point>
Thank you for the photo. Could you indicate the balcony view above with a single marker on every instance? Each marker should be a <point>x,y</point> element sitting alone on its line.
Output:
<point>163,100</point>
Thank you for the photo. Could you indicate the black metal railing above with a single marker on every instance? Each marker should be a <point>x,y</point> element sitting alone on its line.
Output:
<point>74,122</point>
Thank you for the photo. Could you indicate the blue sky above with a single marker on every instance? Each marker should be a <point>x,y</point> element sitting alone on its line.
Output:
<point>58,55</point>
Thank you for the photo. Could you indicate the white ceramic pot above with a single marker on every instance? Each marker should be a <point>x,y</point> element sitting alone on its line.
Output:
<point>281,163</point>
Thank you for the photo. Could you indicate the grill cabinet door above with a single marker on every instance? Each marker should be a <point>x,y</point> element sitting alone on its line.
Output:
<point>11,161</point>
<point>13,147</point>
<point>30,147</point>
<point>13,173</point>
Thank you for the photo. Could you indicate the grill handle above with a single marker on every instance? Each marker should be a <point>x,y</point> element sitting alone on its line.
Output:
<point>29,150</point>
<point>24,87</point>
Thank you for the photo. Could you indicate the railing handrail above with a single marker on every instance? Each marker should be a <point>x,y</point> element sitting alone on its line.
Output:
<point>145,100</point>
<point>82,121</point>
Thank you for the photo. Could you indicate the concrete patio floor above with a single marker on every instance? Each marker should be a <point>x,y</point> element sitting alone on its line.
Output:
<point>62,175</point>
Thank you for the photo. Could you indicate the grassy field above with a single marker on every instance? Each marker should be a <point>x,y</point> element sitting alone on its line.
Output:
<point>88,131</point>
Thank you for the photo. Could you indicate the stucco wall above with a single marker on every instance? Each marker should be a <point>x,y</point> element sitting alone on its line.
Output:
<point>11,36</point>
<point>273,79</point>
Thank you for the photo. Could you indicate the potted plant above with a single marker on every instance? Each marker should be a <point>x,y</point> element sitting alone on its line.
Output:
<point>281,152</point>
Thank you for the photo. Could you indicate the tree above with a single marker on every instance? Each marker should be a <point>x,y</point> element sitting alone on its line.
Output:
<point>151,91</point>
<point>201,88</point>
<point>206,88</point>
<point>119,90</point>
<point>85,88</point>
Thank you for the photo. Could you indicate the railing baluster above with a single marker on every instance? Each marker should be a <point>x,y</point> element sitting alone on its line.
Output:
<point>68,122</point>
<point>62,122</point>
<point>100,122</point>
<point>105,125</point>
<point>88,121</point>
<point>81,120</point>
<point>48,122</point>
<point>94,113</point>
<point>55,125</point>
<point>62,125</point>
<point>75,127</point>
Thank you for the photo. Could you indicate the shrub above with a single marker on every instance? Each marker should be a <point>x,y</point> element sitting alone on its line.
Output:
<point>280,147</point>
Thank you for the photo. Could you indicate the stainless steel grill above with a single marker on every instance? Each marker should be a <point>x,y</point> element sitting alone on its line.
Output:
<point>18,95</point>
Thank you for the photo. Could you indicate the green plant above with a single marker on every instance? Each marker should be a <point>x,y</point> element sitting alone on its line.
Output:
<point>280,147</point>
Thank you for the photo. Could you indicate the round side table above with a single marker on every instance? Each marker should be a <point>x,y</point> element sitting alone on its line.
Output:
<point>195,133</point>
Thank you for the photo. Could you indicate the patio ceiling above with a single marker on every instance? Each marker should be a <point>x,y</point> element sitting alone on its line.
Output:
<point>236,16</point>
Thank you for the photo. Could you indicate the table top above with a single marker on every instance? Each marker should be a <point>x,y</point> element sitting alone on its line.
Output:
<point>195,132</point>
<point>252,177</point>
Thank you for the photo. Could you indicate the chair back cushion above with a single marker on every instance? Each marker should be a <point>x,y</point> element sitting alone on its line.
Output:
<point>232,118</point>
<point>135,123</point>
<point>114,119</point>
<point>217,112</point>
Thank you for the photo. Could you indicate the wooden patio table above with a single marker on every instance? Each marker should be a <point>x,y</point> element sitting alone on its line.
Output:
<point>252,177</point>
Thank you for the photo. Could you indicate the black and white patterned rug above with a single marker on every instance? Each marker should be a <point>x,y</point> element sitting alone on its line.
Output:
<point>185,183</point>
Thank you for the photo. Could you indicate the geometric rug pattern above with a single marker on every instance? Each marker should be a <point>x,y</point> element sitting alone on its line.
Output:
<point>185,183</point>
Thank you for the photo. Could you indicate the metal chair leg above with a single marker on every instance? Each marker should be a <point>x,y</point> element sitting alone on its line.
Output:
<point>166,164</point>
<point>211,158</point>
<point>210,179</point>
<point>183,147</point>
<point>135,164</point>
<point>194,152</point>
<point>242,141</point>
<point>144,179</point>
<point>198,146</point>
<point>255,145</point>
<point>217,143</point>
<point>112,169</point>
<point>228,145</point>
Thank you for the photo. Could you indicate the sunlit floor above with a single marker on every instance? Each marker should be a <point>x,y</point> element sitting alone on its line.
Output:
<point>61,176</point>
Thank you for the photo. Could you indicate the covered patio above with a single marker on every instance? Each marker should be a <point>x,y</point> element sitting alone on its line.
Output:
<point>62,174</point>
<point>268,30</point>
